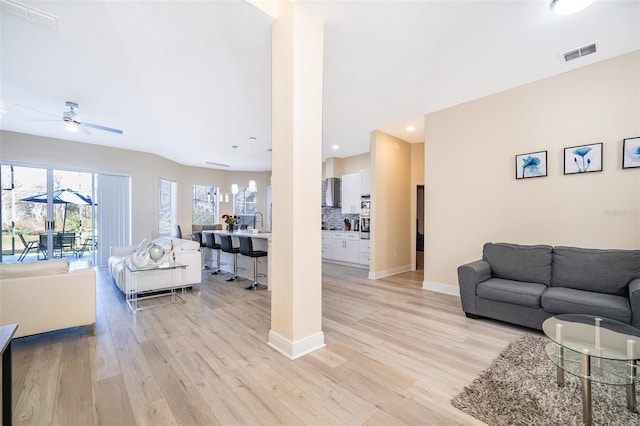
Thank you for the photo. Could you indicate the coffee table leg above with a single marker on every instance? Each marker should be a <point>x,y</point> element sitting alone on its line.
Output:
<point>631,388</point>
<point>560,366</point>
<point>586,389</point>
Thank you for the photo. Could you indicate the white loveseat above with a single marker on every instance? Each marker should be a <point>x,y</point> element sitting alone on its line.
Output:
<point>47,295</point>
<point>186,252</point>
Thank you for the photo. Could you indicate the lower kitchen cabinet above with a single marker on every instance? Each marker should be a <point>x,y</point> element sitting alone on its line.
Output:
<point>364,252</point>
<point>327,244</point>
<point>345,247</point>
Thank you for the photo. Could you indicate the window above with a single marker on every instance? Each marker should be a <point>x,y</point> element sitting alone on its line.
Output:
<point>205,205</point>
<point>245,205</point>
<point>167,207</point>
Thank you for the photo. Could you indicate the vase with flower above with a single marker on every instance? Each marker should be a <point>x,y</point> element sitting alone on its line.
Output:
<point>230,220</point>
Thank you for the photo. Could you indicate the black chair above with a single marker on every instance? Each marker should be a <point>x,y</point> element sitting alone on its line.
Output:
<point>28,246</point>
<point>197,237</point>
<point>210,242</point>
<point>226,245</point>
<point>246,249</point>
<point>243,227</point>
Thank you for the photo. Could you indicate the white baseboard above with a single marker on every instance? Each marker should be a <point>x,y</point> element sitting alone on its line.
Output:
<point>441,288</point>
<point>389,272</point>
<point>293,350</point>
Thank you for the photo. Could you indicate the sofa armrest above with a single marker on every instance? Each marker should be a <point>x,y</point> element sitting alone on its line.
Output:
<point>469,276</point>
<point>634,301</point>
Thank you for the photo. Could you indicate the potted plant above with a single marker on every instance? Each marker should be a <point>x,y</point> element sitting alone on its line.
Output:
<point>230,220</point>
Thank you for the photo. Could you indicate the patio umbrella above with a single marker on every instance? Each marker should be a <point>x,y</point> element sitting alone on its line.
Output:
<point>62,196</point>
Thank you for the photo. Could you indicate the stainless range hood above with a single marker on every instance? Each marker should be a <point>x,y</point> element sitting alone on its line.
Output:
<point>331,196</point>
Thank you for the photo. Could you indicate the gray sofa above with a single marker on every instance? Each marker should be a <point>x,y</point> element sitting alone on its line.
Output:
<point>527,284</point>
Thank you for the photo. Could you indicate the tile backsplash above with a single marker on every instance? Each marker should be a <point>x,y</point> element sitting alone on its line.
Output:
<point>334,219</point>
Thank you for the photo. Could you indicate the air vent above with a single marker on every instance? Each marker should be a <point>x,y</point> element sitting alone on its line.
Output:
<point>580,52</point>
<point>211,163</point>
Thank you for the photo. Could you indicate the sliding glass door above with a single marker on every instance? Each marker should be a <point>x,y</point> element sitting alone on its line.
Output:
<point>46,213</point>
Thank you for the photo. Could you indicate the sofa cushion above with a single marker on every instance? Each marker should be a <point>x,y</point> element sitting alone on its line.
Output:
<point>560,300</point>
<point>603,271</point>
<point>517,262</point>
<point>508,291</point>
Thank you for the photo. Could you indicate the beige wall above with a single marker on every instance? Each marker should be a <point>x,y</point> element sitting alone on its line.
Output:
<point>470,168</point>
<point>145,170</point>
<point>391,213</point>
<point>417,178</point>
<point>346,165</point>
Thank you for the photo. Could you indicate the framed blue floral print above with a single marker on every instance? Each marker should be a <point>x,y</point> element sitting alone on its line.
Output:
<point>532,164</point>
<point>583,159</point>
<point>631,153</point>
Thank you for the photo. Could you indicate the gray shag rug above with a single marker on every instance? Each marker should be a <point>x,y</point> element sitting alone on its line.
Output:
<point>519,388</point>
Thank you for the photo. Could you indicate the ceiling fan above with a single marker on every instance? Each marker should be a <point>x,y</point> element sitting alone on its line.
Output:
<point>72,123</point>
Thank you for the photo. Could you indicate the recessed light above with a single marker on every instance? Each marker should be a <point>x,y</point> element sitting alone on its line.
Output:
<point>336,147</point>
<point>569,7</point>
<point>411,128</point>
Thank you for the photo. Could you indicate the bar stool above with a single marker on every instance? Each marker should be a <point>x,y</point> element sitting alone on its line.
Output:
<point>210,242</point>
<point>226,245</point>
<point>197,237</point>
<point>246,249</point>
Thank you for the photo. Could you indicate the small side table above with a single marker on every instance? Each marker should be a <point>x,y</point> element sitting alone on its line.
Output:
<point>6,334</point>
<point>133,296</point>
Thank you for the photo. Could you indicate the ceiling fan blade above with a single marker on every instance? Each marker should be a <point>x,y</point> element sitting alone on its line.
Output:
<point>99,127</point>
<point>85,130</point>
<point>38,110</point>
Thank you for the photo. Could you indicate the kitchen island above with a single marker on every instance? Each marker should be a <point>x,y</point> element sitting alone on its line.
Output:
<point>261,241</point>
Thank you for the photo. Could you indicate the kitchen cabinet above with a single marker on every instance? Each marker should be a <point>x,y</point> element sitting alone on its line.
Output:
<point>344,246</point>
<point>364,252</point>
<point>365,182</point>
<point>327,244</point>
<point>351,193</point>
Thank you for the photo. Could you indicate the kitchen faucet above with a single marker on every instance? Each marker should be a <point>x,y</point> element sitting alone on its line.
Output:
<point>255,220</point>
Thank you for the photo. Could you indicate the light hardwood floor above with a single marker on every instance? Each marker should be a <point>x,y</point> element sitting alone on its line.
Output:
<point>395,354</point>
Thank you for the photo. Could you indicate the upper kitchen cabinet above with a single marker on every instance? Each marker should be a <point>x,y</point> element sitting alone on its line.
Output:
<point>365,182</point>
<point>351,193</point>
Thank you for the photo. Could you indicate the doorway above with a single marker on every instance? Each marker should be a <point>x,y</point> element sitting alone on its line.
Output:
<point>420,228</point>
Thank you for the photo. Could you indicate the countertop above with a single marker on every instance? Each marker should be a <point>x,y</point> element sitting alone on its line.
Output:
<point>263,235</point>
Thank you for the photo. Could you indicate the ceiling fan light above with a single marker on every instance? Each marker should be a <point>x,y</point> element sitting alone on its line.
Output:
<point>569,7</point>
<point>71,126</point>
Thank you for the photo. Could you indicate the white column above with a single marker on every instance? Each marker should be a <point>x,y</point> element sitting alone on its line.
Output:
<point>296,266</point>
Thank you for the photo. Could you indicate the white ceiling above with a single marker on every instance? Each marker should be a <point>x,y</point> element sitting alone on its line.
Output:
<point>187,80</point>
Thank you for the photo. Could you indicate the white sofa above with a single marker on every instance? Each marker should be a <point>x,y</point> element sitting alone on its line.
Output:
<point>186,252</point>
<point>47,295</point>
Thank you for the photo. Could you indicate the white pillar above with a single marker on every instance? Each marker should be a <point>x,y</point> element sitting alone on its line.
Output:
<point>296,274</point>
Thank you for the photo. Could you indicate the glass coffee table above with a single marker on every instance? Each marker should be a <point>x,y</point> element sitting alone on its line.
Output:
<point>596,350</point>
<point>134,295</point>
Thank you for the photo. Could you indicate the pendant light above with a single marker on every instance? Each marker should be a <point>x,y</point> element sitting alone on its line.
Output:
<point>252,186</point>
<point>234,189</point>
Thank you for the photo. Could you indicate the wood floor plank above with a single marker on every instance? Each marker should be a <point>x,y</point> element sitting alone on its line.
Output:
<point>186,404</point>
<point>111,403</point>
<point>73,402</point>
<point>36,398</point>
<point>394,354</point>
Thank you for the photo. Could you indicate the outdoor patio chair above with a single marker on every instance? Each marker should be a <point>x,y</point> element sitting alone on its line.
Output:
<point>28,246</point>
